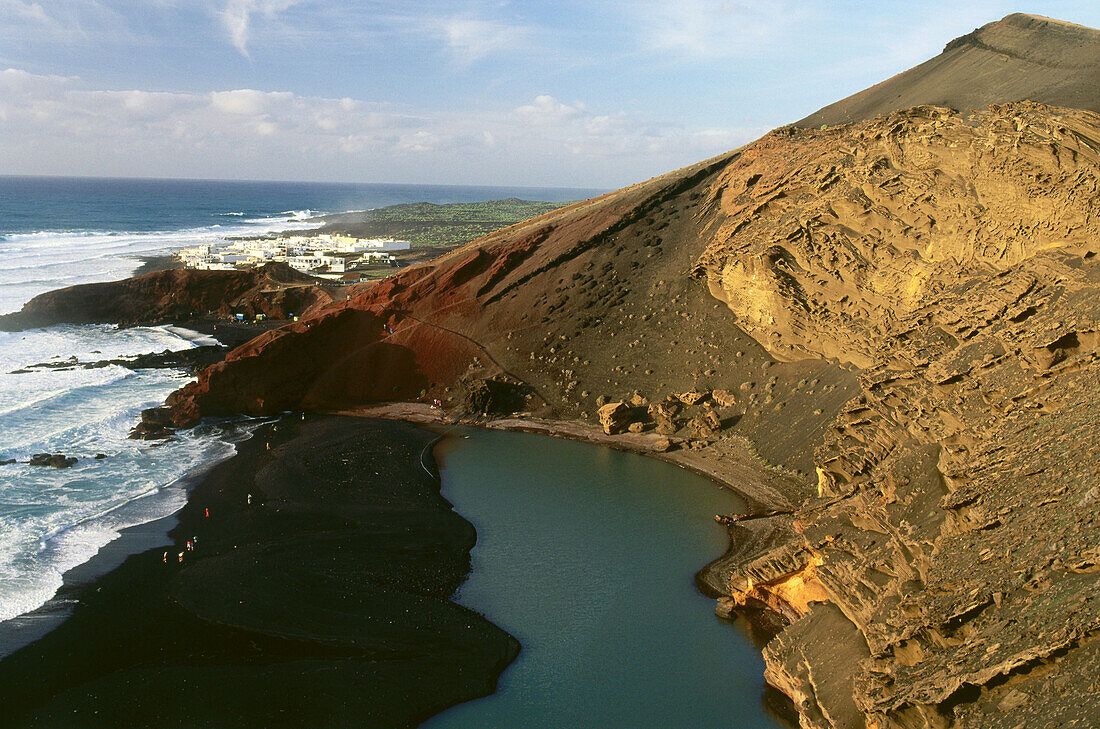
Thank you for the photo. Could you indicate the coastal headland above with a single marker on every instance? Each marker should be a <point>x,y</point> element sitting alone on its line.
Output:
<point>307,585</point>
<point>893,313</point>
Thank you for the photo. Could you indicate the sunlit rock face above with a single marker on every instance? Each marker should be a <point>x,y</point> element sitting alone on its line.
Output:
<point>823,240</point>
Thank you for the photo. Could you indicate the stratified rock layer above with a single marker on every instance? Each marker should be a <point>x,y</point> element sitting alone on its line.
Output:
<point>823,241</point>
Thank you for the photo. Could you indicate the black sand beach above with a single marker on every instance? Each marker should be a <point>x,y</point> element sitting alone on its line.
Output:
<point>323,602</point>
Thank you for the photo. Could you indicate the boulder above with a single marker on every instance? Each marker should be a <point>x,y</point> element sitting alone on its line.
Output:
<point>151,431</point>
<point>694,397</point>
<point>615,417</point>
<point>723,398</point>
<point>711,418</point>
<point>636,427</point>
<point>638,400</point>
<point>493,396</point>
<point>56,460</point>
<point>700,427</point>
<point>156,424</point>
<point>664,417</point>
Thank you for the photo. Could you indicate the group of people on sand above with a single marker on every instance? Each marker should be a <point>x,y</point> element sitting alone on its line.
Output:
<point>188,547</point>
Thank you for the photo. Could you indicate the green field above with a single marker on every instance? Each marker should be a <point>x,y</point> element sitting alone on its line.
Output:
<point>429,225</point>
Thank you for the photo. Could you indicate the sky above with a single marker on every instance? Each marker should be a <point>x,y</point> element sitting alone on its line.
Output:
<point>571,93</point>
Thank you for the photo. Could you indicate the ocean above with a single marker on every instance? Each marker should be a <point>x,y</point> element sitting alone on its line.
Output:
<point>57,232</point>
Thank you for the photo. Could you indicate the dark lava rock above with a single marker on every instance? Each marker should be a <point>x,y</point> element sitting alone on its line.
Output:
<point>156,424</point>
<point>491,396</point>
<point>193,359</point>
<point>56,460</point>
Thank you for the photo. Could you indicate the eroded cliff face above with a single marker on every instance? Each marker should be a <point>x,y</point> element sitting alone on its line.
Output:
<point>826,239</point>
<point>955,531</point>
<point>939,561</point>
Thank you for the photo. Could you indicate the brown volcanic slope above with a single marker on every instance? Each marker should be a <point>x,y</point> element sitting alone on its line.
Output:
<point>1017,58</point>
<point>942,567</point>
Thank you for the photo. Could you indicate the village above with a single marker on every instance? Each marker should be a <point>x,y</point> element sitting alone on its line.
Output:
<point>335,257</point>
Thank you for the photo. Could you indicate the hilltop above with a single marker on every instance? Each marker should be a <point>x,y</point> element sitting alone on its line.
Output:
<point>1016,58</point>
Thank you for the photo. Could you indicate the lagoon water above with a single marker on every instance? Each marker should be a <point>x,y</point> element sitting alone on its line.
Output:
<point>587,555</point>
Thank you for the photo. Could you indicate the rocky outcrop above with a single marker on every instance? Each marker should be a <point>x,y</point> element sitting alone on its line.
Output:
<point>54,460</point>
<point>493,395</point>
<point>274,290</point>
<point>615,417</point>
<point>950,557</point>
<point>828,239</point>
<point>953,529</point>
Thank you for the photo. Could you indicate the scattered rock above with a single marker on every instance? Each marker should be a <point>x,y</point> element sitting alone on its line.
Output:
<point>636,427</point>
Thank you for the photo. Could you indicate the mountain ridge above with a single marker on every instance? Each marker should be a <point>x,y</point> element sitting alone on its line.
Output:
<point>1020,57</point>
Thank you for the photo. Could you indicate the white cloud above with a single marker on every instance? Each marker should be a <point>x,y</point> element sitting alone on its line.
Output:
<point>236,16</point>
<point>547,111</point>
<point>471,39</point>
<point>23,10</point>
<point>715,29</point>
<point>54,125</point>
<point>247,102</point>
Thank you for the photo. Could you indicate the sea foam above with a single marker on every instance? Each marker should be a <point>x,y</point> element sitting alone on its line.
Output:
<point>52,520</point>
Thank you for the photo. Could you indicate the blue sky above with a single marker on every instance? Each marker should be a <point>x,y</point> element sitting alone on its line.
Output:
<point>597,93</point>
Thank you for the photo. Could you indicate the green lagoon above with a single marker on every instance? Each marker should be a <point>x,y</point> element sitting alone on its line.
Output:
<point>587,555</point>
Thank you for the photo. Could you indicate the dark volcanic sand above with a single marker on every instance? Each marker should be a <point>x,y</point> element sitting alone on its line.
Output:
<point>324,603</point>
<point>157,263</point>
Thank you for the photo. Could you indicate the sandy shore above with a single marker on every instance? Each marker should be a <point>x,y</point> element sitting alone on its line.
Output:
<point>316,595</point>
